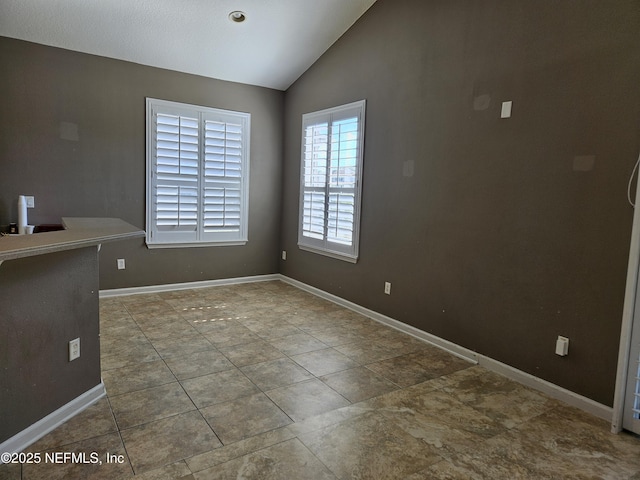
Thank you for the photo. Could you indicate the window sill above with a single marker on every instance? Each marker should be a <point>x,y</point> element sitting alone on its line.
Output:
<point>152,246</point>
<point>329,253</point>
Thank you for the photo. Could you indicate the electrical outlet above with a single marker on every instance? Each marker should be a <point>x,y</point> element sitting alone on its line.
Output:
<point>121,265</point>
<point>284,254</point>
<point>74,349</point>
<point>387,288</point>
<point>31,202</point>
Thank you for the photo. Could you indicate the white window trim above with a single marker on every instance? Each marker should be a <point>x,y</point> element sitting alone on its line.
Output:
<point>157,239</point>
<point>324,246</point>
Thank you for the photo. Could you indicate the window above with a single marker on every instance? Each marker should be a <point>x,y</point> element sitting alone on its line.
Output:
<point>197,175</point>
<point>331,181</point>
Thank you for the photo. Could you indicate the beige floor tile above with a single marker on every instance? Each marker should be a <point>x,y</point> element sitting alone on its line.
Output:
<point>320,305</point>
<point>198,364</point>
<point>273,332</point>
<point>112,305</point>
<point>297,344</point>
<point>368,328</point>
<point>324,362</point>
<point>179,346</point>
<point>446,470</point>
<point>10,471</point>
<point>185,293</point>
<point>404,395</point>
<point>163,331</point>
<point>399,342</point>
<point>282,308</point>
<point>438,362</point>
<point>217,324</point>
<point>497,397</point>
<point>137,377</point>
<point>244,417</point>
<point>229,337</point>
<point>442,436</point>
<point>154,320</point>
<point>113,322</point>
<point>168,440</point>
<point>357,384</point>
<point>285,461</point>
<point>94,421</point>
<point>369,446</point>
<point>133,356</point>
<point>250,353</point>
<point>219,387</point>
<point>444,418</point>
<point>583,441</point>
<point>238,449</point>
<point>149,314</point>
<point>143,406</point>
<point>91,461</point>
<point>306,399</point>
<point>275,373</point>
<point>366,352</point>
<point>145,305</point>
<point>331,417</point>
<point>402,371</point>
<point>334,335</point>
<point>307,320</point>
<point>178,470</point>
<point>514,456</point>
<point>194,314</point>
<point>142,298</point>
<point>439,408</point>
<point>121,346</point>
<point>263,318</point>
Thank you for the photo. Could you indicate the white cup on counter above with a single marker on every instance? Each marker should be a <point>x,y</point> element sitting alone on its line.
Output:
<point>28,229</point>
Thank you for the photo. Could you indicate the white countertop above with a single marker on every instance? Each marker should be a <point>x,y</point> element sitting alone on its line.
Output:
<point>78,233</point>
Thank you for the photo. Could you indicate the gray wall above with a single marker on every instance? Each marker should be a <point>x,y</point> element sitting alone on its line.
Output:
<point>503,238</point>
<point>46,301</point>
<point>102,173</point>
<point>499,240</point>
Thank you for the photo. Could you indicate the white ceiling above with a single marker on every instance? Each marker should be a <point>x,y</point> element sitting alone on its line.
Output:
<point>279,40</point>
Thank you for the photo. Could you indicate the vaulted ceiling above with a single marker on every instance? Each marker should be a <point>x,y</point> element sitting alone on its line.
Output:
<point>277,42</point>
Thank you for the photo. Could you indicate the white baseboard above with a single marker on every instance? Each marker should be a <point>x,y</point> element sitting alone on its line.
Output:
<point>551,389</point>
<point>451,347</point>
<point>22,440</point>
<point>31,434</point>
<point>117,292</point>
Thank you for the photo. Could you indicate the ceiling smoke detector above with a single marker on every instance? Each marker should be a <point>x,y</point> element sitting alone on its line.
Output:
<point>237,16</point>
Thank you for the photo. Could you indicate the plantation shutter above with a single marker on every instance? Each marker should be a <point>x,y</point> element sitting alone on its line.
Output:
<point>176,199</point>
<point>635,408</point>
<point>315,180</point>
<point>197,184</point>
<point>330,184</point>
<point>222,176</point>
<point>343,180</point>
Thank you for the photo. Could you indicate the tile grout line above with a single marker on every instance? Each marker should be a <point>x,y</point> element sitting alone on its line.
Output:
<point>287,356</point>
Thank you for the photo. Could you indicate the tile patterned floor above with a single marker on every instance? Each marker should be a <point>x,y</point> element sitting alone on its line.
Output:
<point>264,381</point>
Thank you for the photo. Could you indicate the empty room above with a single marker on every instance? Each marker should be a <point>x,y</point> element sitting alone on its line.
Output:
<point>304,239</point>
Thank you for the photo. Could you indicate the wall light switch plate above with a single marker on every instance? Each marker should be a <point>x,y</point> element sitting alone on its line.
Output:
<point>387,288</point>
<point>31,202</point>
<point>562,346</point>
<point>121,265</point>
<point>506,109</point>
